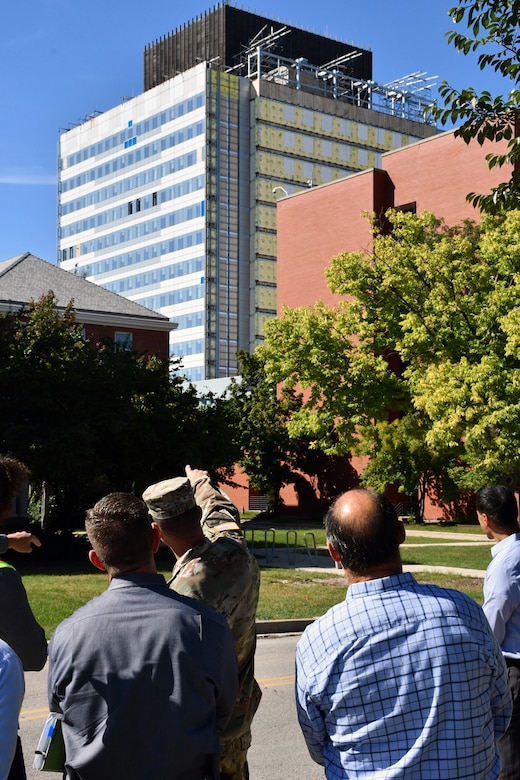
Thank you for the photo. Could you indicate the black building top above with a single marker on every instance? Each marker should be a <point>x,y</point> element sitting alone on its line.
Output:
<point>225,33</point>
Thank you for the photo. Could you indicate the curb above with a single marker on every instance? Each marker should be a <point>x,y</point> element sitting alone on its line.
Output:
<point>295,626</point>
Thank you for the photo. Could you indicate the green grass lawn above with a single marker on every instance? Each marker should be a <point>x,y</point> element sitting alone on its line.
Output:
<point>281,537</point>
<point>284,593</point>
<point>56,590</point>
<point>446,528</point>
<point>458,556</point>
<point>439,540</point>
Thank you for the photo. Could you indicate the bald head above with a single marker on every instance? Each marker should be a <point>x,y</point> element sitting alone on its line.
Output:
<point>363,529</point>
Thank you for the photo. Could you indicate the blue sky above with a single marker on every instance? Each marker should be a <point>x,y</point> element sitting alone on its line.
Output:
<point>62,59</point>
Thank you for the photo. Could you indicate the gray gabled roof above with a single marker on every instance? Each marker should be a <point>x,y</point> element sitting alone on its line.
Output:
<point>27,277</point>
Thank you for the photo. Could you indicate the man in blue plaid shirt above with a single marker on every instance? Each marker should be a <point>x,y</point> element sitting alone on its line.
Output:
<point>400,680</point>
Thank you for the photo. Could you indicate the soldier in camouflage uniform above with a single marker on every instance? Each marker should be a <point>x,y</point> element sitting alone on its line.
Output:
<point>201,526</point>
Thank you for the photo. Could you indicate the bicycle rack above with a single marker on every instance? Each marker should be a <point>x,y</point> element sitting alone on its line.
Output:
<point>291,554</point>
<point>269,537</point>
<point>314,552</point>
<point>250,544</point>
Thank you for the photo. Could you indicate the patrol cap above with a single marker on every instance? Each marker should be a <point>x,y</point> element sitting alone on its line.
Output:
<point>169,498</point>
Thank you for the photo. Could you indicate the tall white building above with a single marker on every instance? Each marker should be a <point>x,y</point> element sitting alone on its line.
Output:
<point>170,198</point>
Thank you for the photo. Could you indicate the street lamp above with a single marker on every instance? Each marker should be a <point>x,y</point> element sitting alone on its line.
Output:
<point>282,189</point>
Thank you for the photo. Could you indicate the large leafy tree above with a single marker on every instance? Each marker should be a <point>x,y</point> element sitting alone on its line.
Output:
<point>418,365</point>
<point>88,418</point>
<point>265,450</point>
<point>260,430</point>
<point>493,30</point>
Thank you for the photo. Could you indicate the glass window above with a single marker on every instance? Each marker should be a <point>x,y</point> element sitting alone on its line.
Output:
<point>362,156</point>
<point>123,340</point>
<point>288,165</point>
<point>344,127</point>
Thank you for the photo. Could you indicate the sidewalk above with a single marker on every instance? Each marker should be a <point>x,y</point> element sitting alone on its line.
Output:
<point>320,560</point>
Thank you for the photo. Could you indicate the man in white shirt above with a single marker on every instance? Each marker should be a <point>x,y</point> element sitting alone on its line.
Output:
<point>497,512</point>
<point>11,696</point>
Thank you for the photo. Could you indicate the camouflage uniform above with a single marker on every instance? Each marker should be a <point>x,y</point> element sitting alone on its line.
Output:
<point>221,572</point>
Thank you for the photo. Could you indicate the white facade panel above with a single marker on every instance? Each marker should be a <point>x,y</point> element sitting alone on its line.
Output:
<point>132,198</point>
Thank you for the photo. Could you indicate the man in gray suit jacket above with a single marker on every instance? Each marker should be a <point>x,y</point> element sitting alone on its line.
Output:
<point>144,678</point>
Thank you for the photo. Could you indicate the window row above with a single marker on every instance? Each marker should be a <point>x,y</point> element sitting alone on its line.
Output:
<point>146,255</point>
<point>136,181</point>
<point>146,126</point>
<point>130,158</point>
<point>192,374</point>
<point>158,275</point>
<point>194,319</point>
<point>316,120</point>
<point>160,301</point>
<point>134,207</point>
<point>322,148</point>
<point>192,347</point>
<point>134,232</point>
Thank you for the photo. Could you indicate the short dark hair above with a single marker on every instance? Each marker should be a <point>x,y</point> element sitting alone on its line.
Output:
<point>13,474</point>
<point>498,502</point>
<point>181,525</point>
<point>119,530</point>
<point>372,540</point>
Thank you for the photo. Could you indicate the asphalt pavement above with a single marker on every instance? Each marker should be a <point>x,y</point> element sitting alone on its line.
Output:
<point>278,751</point>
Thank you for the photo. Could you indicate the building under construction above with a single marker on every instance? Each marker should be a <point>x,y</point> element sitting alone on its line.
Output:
<point>170,197</point>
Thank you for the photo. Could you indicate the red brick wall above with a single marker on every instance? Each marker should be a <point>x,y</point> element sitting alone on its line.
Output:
<point>317,224</point>
<point>438,174</point>
<point>149,342</point>
<point>313,227</point>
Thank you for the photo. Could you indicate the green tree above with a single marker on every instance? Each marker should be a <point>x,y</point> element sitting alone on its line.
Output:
<point>418,365</point>
<point>88,418</point>
<point>274,448</point>
<point>260,430</point>
<point>493,29</point>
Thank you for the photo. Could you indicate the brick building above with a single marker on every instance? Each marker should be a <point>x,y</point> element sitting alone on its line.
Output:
<point>313,226</point>
<point>431,175</point>
<point>101,312</point>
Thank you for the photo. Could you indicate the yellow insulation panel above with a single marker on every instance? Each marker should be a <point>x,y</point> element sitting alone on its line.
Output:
<point>266,244</point>
<point>265,298</point>
<point>265,271</point>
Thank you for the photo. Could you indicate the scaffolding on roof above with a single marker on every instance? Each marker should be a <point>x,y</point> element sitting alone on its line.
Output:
<point>408,97</point>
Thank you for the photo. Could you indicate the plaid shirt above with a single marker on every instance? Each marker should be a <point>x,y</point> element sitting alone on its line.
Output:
<point>402,680</point>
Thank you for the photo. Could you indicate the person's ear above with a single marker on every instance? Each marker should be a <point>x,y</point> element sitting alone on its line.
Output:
<point>156,537</point>
<point>94,560</point>
<point>334,554</point>
<point>156,526</point>
<point>401,532</point>
<point>484,520</point>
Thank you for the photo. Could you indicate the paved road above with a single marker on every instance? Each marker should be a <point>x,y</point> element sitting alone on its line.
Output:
<point>278,751</point>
